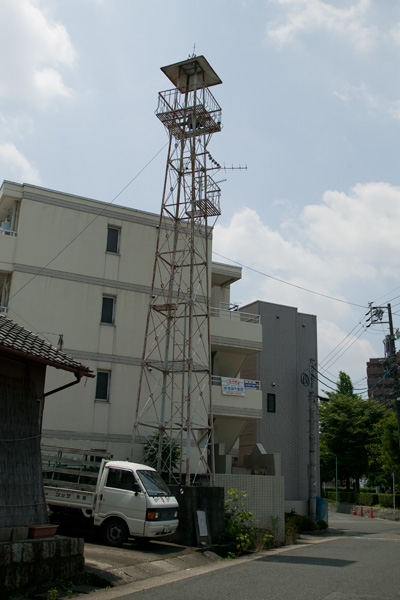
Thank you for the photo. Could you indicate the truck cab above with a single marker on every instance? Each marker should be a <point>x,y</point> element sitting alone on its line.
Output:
<point>133,500</point>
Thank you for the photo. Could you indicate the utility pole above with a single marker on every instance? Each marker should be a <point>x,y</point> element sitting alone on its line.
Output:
<point>312,442</point>
<point>376,316</point>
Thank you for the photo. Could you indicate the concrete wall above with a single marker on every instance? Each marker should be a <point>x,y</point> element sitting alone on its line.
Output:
<point>36,565</point>
<point>211,501</point>
<point>300,507</point>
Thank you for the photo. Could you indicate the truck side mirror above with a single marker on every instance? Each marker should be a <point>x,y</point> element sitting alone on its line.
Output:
<point>136,488</point>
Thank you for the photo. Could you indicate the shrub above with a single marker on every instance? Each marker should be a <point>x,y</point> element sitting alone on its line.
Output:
<point>239,522</point>
<point>269,541</point>
<point>321,525</point>
<point>301,522</point>
<point>263,540</point>
<point>291,530</point>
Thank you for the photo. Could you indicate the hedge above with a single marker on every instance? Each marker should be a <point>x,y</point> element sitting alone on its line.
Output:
<point>386,500</point>
<point>363,498</point>
<point>343,497</point>
<point>366,499</point>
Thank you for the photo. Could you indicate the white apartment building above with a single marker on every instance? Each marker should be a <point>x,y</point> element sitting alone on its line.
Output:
<point>78,272</point>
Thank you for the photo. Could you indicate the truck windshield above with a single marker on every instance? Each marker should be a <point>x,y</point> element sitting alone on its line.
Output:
<point>153,483</point>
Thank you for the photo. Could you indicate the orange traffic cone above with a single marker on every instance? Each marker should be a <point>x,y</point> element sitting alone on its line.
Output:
<point>354,510</point>
<point>371,513</point>
<point>361,511</point>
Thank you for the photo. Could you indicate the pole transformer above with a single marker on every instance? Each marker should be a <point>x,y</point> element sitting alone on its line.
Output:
<point>376,315</point>
<point>174,420</point>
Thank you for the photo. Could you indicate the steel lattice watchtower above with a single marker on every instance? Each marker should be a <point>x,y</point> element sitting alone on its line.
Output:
<point>174,418</point>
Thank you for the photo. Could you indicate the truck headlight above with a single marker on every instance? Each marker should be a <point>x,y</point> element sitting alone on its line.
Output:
<point>152,515</point>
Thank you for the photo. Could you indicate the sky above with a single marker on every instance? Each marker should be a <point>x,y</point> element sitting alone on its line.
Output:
<point>310,105</point>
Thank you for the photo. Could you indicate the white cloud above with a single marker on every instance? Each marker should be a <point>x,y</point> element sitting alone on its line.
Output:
<point>357,231</point>
<point>347,247</point>
<point>304,16</point>
<point>16,126</point>
<point>16,165</point>
<point>364,98</point>
<point>48,83</point>
<point>347,237</point>
<point>37,50</point>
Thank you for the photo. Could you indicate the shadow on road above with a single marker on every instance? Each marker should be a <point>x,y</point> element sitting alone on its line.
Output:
<point>307,560</point>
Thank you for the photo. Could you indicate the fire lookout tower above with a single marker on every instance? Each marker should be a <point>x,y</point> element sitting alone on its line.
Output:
<point>174,418</point>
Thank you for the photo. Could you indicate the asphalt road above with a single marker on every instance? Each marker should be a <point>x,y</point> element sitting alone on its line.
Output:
<point>360,562</point>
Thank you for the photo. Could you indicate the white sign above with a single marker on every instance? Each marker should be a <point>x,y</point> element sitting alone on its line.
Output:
<point>202,522</point>
<point>232,387</point>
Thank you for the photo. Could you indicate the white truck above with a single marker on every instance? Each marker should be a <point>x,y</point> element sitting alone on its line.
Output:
<point>121,498</point>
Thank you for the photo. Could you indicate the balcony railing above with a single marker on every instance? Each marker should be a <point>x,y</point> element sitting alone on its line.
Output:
<point>234,313</point>
<point>7,232</point>
<point>248,383</point>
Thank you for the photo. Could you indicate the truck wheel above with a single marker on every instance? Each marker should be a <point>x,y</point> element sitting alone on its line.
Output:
<point>114,532</point>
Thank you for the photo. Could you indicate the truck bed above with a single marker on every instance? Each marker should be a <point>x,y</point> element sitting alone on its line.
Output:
<point>63,496</point>
<point>71,469</point>
<point>70,475</point>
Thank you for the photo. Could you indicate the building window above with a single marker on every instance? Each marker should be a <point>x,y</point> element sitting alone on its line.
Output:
<point>113,237</point>
<point>108,309</point>
<point>103,386</point>
<point>271,403</point>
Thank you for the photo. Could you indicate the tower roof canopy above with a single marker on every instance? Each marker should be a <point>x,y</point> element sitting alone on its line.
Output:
<point>182,74</point>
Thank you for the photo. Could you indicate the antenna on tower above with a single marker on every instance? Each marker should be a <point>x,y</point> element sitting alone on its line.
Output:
<point>194,51</point>
<point>232,168</point>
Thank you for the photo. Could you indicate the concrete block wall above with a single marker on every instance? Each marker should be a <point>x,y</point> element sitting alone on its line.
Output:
<point>38,564</point>
<point>265,499</point>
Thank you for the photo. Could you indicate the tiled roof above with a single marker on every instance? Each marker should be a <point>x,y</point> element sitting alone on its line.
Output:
<point>23,342</point>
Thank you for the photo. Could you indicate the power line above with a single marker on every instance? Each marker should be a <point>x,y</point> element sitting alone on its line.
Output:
<point>299,287</point>
<point>345,349</point>
<point>89,224</point>
<point>334,383</point>
<point>77,235</point>
<point>342,348</point>
<point>339,344</point>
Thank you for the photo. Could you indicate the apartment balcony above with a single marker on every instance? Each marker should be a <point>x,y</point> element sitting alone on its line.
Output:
<point>9,216</point>
<point>8,244</point>
<point>232,412</point>
<point>235,331</point>
<point>227,401</point>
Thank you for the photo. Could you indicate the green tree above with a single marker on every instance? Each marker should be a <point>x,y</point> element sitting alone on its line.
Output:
<point>347,429</point>
<point>384,451</point>
<point>327,461</point>
<point>344,385</point>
